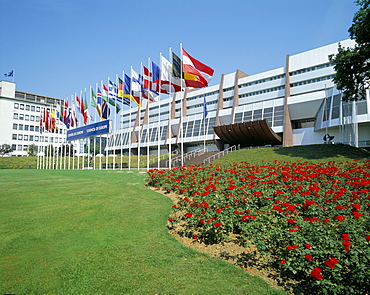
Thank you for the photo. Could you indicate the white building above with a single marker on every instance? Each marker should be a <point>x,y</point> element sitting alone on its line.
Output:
<point>20,120</point>
<point>298,101</point>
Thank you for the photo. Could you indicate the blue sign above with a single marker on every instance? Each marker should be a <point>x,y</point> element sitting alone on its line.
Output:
<point>94,129</point>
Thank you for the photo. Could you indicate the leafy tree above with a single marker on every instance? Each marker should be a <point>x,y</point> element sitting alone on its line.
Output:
<point>352,65</point>
<point>5,149</point>
<point>66,150</point>
<point>32,150</point>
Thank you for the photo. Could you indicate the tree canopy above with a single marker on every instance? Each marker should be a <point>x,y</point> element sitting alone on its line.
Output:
<point>352,65</point>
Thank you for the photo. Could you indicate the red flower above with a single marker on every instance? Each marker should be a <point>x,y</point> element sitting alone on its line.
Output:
<point>189,214</point>
<point>283,261</point>
<point>316,273</point>
<point>340,217</point>
<point>170,219</point>
<point>346,244</point>
<point>367,238</point>
<point>308,246</point>
<point>308,257</point>
<point>289,248</point>
<point>217,224</point>
<point>295,247</point>
<point>345,236</point>
<point>357,215</point>
<point>331,262</point>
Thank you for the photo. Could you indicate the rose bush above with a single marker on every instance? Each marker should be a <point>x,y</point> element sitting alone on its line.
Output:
<point>314,218</point>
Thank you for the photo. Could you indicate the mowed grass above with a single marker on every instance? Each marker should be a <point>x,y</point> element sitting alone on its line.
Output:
<point>100,232</point>
<point>311,153</point>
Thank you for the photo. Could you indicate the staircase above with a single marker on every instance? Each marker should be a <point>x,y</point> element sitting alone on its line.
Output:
<point>196,157</point>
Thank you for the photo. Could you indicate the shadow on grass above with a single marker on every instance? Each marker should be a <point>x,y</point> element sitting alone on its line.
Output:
<point>322,151</point>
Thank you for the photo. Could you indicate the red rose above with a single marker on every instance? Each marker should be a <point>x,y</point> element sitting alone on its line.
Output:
<point>289,248</point>
<point>308,257</point>
<point>367,238</point>
<point>189,214</point>
<point>283,261</point>
<point>357,215</point>
<point>331,262</point>
<point>316,273</point>
<point>295,246</point>
<point>217,224</point>
<point>308,246</point>
<point>345,237</point>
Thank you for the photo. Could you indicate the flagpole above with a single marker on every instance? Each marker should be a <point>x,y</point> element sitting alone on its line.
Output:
<point>121,127</point>
<point>170,119</point>
<point>182,109</point>
<point>129,126</point>
<point>147,148</point>
<point>139,131</point>
<point>159,116</point>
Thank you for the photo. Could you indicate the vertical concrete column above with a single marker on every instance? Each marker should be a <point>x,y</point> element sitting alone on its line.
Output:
<point>239,74</point>
<point>287,129</point>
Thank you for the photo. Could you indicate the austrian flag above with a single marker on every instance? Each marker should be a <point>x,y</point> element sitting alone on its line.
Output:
<point>196,74</point>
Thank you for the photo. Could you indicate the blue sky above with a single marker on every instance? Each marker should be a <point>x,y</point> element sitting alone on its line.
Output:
<point>60,47</point>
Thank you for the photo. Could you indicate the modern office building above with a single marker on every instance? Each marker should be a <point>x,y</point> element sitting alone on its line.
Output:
<point>296,104</point>
<point>20,120</point>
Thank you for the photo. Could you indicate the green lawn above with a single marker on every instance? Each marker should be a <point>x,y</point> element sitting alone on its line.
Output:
<point>311,153</point>
<point>100,232</point>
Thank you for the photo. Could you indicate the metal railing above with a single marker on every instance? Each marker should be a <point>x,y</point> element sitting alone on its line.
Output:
<point>219,155</point>
<point>176,161</point>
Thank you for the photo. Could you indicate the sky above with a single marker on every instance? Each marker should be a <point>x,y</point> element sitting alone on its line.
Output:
<point>60,47</point>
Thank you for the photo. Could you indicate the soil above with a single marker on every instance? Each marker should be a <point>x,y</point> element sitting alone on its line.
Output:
<point>246,257</point>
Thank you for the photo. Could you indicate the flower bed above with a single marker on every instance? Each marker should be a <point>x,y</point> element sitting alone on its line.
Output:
<point>314,218</point>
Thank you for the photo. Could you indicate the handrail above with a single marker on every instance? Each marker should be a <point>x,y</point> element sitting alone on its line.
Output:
<point>186,156</point>
<point>219,155</point>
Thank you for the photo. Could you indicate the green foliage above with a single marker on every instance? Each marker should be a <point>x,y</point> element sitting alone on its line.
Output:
<point>100,232</point>
<point>32,150</point>
<point>313,218</point>
<point>352,65</point>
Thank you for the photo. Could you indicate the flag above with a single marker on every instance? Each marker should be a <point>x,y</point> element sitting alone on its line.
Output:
<point>167,81</point>
<point>66,114</point>
<point>196,74</point>
<point>85,109</point>
<point>73,116</point>
<point>105,111</point>
<point>79,104</point>
<point>53,122</point>
<point>147,88</point>
<point>205,111</point>
<point>120,88</point>
<point>112,95</point>
<point>105,93</point>
<point>9,74</point>
<point>99,103</point>
<point>176,66</point>
<point>135,87</point>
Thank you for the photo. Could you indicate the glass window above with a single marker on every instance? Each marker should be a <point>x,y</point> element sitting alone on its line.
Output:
<point>14,136</point>
<point>25,137</point>
<point>27,107</point>
<point>19,147</point>
<point>37,109</point>
<point>21,117</point>
<point>20,136</point>
<point>32,118</point>
<point>32,108</point>
<point>37,118</point>
<point>14,146</point>
<point>16,105</point>
<point>15,126</point>
<point>21,106</point>
<point>26,127</point>
<point>32,128</point>
<point>25,147</point>
<point>15,116</point>
<point>20,127</point>
<point>36,138</point>
<point>27,117</point>
<point>31,137</point>
<point>37,128</point>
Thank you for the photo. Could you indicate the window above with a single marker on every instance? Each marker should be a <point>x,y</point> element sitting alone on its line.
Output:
<point>21,117</point>
<point>32,128</point>
<point>32,108</point>
<point>36,138</point>
<point>304,124</point>
<point>15,116</point>
<point>21,106</point>
<point>25,148</point>
<point>31,137</point>
<point>32,118</point>
<point>37,128</point>
<point>15,126</point>
<point>27,107</point>
<point>20,126</point>
<point>26,127</point>
<point>25,137</point>
<point>14,136</point>
<point>27,117</point>
<point>14,146</point>
<point>19,147</point>
<point>37,118</point>
<point>37,109</point>
<point>20,136</point>
<point>16,105</point>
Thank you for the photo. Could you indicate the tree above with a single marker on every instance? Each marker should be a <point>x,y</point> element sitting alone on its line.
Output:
<point>32,150</point>
<point>5,149</point>
<point>352,65</point>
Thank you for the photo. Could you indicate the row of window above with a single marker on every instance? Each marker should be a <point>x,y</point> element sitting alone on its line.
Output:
<point>262,91</point>
<point>262,81</point>
<point>27,107</point>
<point>26,117</point>
<point>313,80</point>
<point>311,69</point>
<point>28,137</point>
<point>26,127</point>
<point>19,147</point>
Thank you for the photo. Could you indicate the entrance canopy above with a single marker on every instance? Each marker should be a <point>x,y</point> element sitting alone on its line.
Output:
<point>256,133</point>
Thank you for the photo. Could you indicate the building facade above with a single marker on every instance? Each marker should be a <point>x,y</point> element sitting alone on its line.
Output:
<point>299,101</point>
<point>20,120</point>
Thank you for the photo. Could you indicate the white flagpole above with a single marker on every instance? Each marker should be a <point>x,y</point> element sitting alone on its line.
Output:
<point>159,117</point>
<point>106,143</point>
<point>139,131</point>
<point>147,113</point>
<point>129,126</point>
<point>170,119</point>
<point>182,110</point>
<point>121,126</point>
<point>94,151</point>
